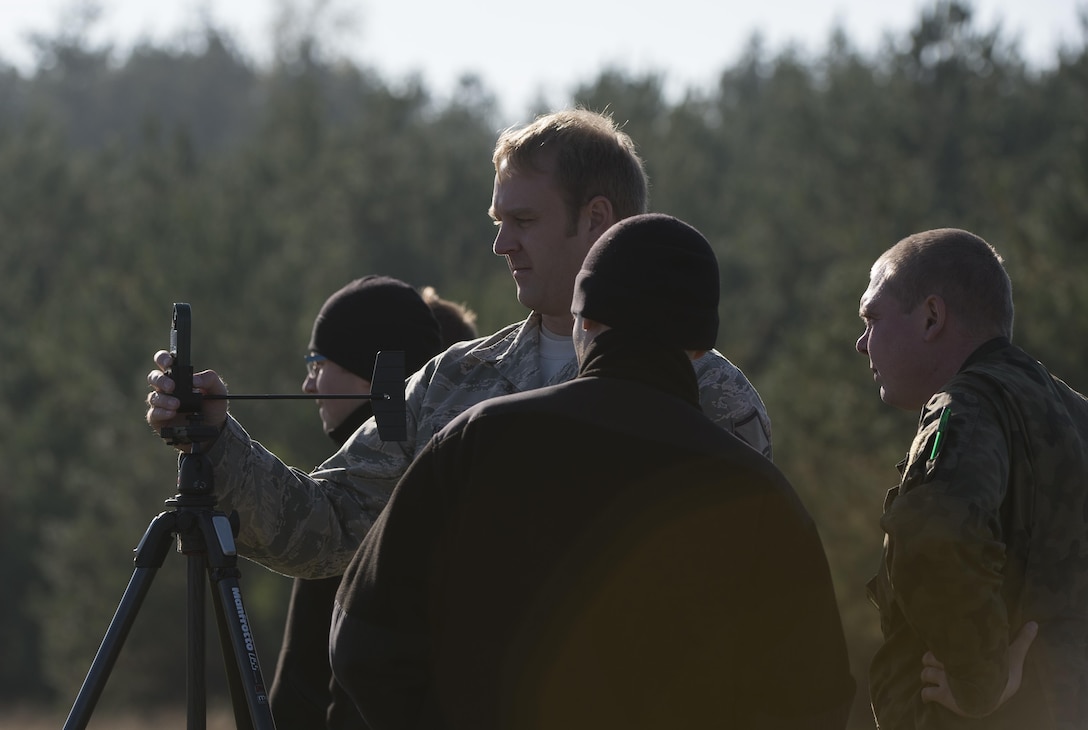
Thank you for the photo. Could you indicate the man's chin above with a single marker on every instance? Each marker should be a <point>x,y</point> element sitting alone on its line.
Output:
<point>894,402</point>
<point>887,397</point>
<point>525,299</point>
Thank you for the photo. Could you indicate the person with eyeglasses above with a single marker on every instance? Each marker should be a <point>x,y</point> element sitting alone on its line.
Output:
<point>367,315</point>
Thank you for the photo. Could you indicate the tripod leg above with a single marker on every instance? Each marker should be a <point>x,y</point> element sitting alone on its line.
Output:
<point>244,672</point>
<point>149,557</point>
<point>240,654</point>
<point>242,719</point>
<point>197,696</point>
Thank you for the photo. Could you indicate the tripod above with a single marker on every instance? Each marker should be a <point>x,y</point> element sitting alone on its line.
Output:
<point>206,538</point>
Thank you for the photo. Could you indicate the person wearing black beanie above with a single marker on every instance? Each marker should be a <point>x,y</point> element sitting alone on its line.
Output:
<point>654,275</point>
<point>642,569</point>
<point>367,315</point>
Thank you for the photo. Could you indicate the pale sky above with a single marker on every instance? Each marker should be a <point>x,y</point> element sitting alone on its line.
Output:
<point>522,49</point>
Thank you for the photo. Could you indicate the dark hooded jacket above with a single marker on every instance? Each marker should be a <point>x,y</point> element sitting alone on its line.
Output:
<point>593,554</point>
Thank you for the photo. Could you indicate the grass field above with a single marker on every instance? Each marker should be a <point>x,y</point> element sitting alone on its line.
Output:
<point>175,719</point>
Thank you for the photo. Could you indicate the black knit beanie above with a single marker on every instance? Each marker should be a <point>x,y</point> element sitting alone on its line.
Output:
<point>654,275</point>
<point>371,314</point>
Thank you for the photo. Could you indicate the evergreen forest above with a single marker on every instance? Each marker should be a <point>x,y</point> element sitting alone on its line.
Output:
<point>192,174</point>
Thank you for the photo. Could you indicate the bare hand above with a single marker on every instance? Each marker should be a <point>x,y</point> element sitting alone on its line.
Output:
<point>162,408</point>
<point>936,680</point>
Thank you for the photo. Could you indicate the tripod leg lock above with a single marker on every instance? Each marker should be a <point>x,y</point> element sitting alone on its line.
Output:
<point>224,533</point>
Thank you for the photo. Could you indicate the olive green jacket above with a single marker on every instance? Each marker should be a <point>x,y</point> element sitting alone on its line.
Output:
<point>988,529</point>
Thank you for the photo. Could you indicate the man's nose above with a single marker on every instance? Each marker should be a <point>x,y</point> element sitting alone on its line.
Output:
<point>505,243</point>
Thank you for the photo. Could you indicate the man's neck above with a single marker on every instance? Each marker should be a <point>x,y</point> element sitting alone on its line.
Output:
<point>561,326</point>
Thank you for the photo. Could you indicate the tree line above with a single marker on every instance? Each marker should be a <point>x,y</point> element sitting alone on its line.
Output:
<point>252,192</point>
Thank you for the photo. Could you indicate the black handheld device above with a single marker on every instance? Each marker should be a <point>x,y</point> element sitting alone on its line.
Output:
<point>181,371</point>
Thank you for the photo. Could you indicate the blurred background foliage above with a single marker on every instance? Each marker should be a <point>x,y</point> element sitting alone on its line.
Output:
<point>191,174</point>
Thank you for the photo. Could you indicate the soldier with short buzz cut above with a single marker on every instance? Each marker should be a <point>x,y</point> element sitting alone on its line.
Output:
<point>983,586</point>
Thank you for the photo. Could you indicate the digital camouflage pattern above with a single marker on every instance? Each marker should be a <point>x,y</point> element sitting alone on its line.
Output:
<point>983,536</point>
<point>310,525</point>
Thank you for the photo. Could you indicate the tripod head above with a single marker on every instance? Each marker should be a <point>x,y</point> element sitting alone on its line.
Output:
<point>387,390</point>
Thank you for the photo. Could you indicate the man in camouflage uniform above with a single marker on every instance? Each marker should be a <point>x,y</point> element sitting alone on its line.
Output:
<point>987,533</point>
<point>560,183</point>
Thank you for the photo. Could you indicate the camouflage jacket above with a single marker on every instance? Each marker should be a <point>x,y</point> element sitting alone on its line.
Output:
<point>309,525</point>
<point>988,529</point>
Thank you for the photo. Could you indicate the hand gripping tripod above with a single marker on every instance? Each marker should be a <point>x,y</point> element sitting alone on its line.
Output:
<point>206,537</point>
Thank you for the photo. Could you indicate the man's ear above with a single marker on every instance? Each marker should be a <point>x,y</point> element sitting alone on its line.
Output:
<point>593,327</point>
<point>936,316</point>
<point>601,215</point>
